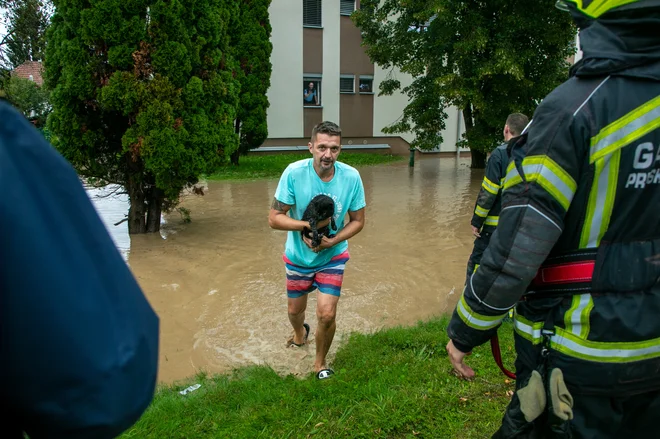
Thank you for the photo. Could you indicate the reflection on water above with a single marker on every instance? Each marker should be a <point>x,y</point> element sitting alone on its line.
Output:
<point>218,282</point>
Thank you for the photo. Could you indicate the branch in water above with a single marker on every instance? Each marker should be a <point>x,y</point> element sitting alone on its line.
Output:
<point>125,219</point>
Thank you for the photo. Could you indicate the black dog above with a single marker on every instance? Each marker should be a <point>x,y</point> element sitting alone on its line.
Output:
<point>320,208</point>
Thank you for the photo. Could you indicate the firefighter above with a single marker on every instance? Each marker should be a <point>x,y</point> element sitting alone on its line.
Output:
<point>577,249</point>
<point>488,205</point>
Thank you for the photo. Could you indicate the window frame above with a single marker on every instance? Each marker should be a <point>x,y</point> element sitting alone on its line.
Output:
<point>352,78</point>
<point>369,78</point>
<point>317,79</point>
<point>345,14</point>
<point>314,26</point>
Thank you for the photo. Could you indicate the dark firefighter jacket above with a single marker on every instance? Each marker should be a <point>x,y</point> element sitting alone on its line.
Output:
<point>78,339</point>
<point>489,203</point>
<point>584,184</point>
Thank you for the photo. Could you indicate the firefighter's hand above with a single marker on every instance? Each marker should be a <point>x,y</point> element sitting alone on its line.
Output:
<point>475,232</point>
<point>456,358</point>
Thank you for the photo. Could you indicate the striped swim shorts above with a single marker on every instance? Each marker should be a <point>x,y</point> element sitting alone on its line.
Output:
<point>327,278</point>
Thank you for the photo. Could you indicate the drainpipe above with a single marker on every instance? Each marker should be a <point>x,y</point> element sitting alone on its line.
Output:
<point>458,131</point>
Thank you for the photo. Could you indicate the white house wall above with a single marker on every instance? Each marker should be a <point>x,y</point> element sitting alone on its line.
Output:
<point>285,114</point>
<point>331,35</point>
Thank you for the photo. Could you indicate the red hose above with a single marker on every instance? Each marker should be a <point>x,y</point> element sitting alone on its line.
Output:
<point>497,355</point>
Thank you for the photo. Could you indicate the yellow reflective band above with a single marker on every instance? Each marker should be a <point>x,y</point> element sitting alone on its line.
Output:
<point>626,129</point>
<point>604,352</point>
<point>547,174</point>
<point>490,186</point>
<point>530,331</point>
<point>576,319</point>
<point>596,8</point>
<point>492,220</point>
<point>511,173</point>
<point>601,200</point>
<point>480,211</point>
<point>575,346</point>
<point>475,320</point>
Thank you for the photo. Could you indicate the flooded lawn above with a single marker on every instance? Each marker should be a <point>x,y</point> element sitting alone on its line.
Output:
<point>218,283</point>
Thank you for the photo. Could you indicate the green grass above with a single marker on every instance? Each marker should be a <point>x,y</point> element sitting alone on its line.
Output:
<point>271,166</point>
<point>396,383</point>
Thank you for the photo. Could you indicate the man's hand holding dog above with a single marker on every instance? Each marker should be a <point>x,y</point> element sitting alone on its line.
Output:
<point>325,243</point>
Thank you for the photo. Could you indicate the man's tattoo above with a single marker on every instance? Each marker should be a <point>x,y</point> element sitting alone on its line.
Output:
<point>278,205</point>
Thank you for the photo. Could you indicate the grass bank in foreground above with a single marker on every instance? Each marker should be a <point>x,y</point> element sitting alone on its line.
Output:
<point>396,383</point>
<point>271,166</point>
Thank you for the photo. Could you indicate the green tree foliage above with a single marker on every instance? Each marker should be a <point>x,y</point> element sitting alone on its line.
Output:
<point>26,22</point>
<point>29,99</point>
<point>144,95</point>
<point>252,48</point>
<point>5,76</point>
<point>487,58</point>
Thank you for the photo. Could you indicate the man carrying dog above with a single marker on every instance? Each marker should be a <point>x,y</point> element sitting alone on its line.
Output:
<point>322,267</point>
<point>488,206</point>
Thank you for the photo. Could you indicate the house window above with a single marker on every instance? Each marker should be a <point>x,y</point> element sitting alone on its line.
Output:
<point>312,13</point>
<point>312,91</point>
<point>346,7</point>
<point>366,84</point>
<point>347,84</point>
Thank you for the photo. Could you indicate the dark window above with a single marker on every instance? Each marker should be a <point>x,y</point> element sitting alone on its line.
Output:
<point>347,84</point>
<point>366,84</point>
<point>346,7</point>
<point>311,91</point>
<point>312,13</point>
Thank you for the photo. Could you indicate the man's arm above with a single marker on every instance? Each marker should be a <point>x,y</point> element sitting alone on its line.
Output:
<point>279,220</point>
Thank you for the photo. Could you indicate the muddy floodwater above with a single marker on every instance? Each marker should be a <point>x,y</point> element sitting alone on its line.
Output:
<point>218,282</point>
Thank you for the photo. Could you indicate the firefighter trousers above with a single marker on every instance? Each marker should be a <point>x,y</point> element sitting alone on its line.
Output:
<point>594,417</point>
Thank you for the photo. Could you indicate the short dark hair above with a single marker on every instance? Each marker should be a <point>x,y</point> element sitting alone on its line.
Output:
<point>326,127</point>
<point>517,123</point>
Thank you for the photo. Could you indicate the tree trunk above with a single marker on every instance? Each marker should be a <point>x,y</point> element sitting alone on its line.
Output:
<point>478,159</point>
<point>236,154</point>
<point>154,211</point>
<point>234,157</point>
<point>136,211</point>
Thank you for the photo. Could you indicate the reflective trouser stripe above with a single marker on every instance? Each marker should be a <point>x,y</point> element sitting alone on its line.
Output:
<point>576,318</point>
<point>475,320</point>
<point>530,331</point>
<point>577,347</point>
<point>601,200</point>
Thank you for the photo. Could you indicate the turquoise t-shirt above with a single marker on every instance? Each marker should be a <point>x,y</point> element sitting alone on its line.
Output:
<point>298,185</point>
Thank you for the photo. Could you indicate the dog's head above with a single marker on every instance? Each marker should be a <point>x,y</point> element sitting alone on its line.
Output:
<point>320,208</point>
